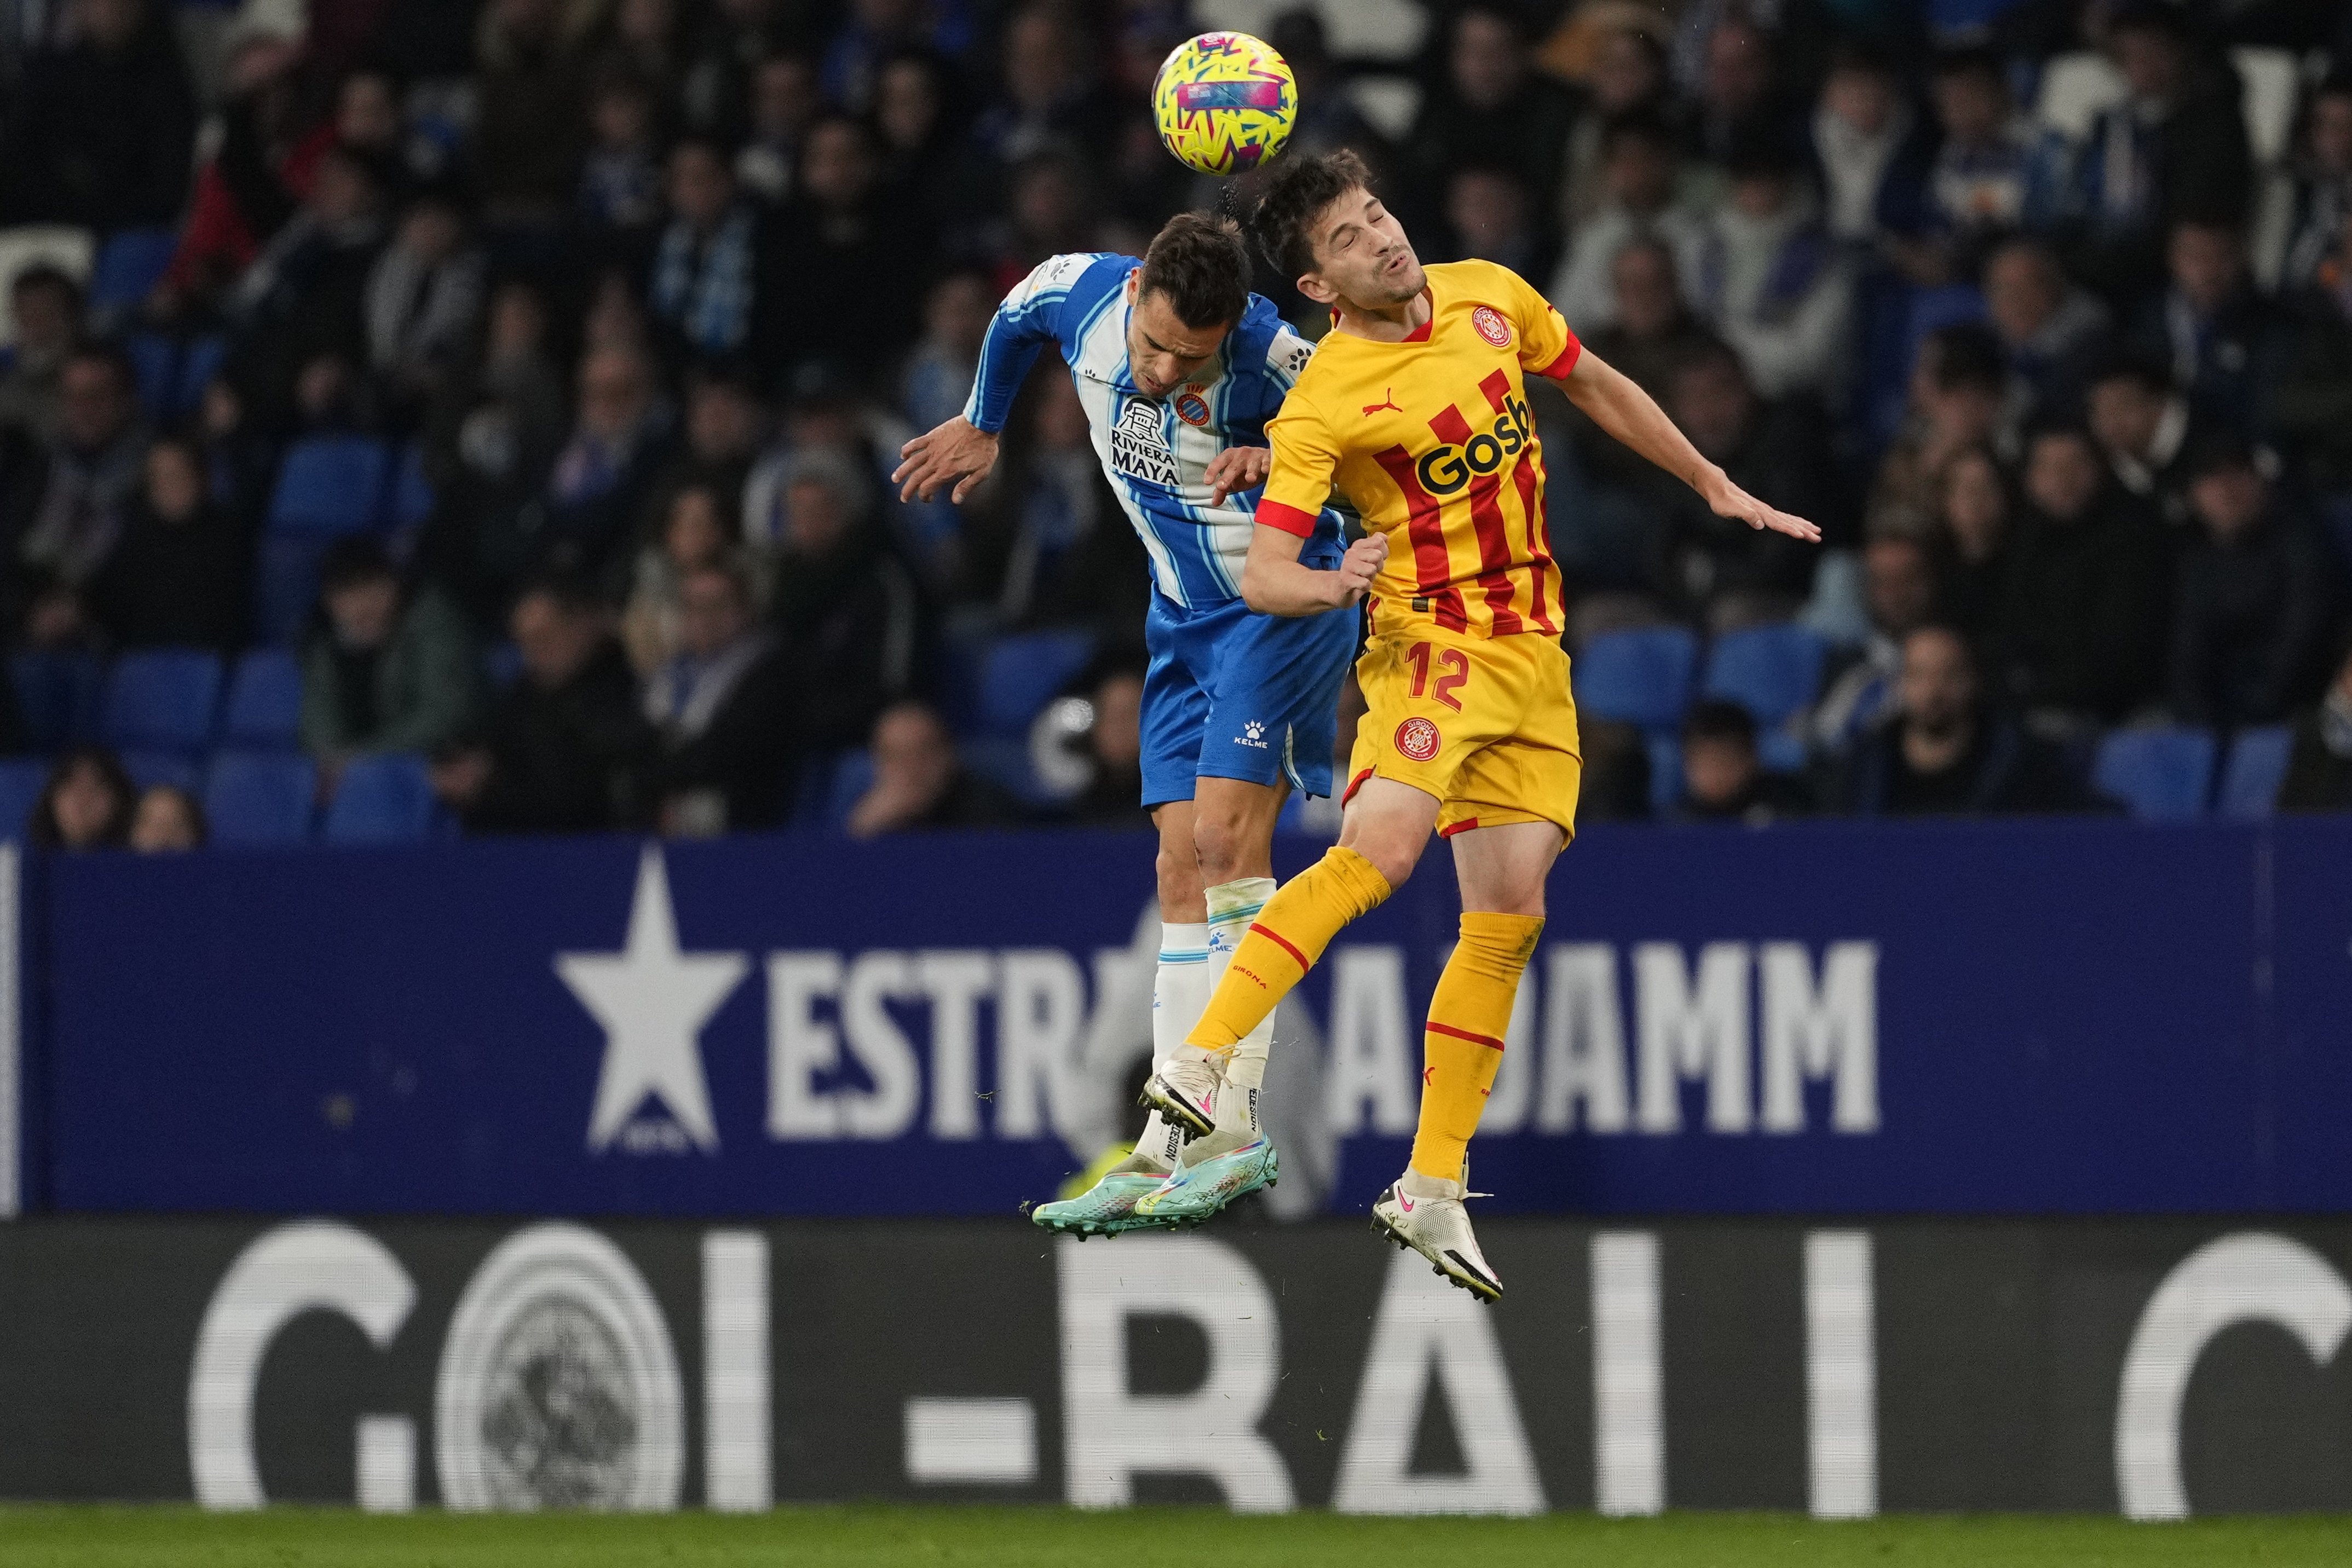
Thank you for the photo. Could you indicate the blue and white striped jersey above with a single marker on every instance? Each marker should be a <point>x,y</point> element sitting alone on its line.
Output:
<point>1154,452</point>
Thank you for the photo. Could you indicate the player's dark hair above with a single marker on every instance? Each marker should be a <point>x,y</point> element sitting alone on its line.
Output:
<point>1295,193</point>
<point>1198,264</point>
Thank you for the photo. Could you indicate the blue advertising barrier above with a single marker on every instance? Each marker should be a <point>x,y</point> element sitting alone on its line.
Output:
<point>2026,1019</point>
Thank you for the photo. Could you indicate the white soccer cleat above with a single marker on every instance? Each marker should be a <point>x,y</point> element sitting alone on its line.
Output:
<point>1184,1091</point>
<point>1435,1224</point>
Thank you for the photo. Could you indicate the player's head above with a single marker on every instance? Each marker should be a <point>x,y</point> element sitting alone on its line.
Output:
<point>1319,223</point>
<point>1192,287</point>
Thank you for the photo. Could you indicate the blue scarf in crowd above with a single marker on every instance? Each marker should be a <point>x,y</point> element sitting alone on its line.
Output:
<point>704,288</point>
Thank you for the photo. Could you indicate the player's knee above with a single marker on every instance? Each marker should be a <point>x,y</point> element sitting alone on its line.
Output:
<point>1180,877</point>
<point>1219,846</point>
<point>1391,854</point>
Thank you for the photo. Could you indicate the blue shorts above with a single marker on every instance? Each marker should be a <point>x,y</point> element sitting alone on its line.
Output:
<point>1232,694</point>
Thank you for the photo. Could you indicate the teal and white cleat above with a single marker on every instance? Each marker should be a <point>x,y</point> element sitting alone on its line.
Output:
<point>1106,1208</point>
<point>1199,1190</point>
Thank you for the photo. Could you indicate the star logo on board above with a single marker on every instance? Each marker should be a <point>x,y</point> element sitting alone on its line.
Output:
<point>652,1002</point>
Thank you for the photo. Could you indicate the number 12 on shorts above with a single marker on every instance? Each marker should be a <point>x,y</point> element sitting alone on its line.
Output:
<point>1453,669</point>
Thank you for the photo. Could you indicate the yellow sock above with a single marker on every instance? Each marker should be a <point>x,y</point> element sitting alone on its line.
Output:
<point>1283,944</point>
<point>1463,1050</point>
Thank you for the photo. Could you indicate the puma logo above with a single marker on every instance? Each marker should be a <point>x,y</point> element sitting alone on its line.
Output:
<point>1388,393</point>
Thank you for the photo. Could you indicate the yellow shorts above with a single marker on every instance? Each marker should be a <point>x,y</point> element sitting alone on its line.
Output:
<point>1485,724</point>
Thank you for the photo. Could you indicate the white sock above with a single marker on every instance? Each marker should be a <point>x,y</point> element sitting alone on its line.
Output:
<point>1231,906</point>
<point>1180,993</point>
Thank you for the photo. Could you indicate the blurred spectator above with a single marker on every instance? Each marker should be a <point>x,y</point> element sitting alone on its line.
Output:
<point>2176,147</point>
<point>725,425</point>
<point>304,297</point>
<point>1943,752</point>
<point>709,268</point>
<point>917,121</point>
<point>1637,161</point>
<point>1872,152</point>
<point>850,616</point>
<point>565,749</point>
<point>179,576</point>
<point>1898,593</point>
<point>86,805</point>
<point>1329,119</point>
<point>1114,795</point>
<point>1628,76</point>
<point>784,102</point>
<point>840,283</point>
<point>1722,780</point>
<point>1958,387</point>
<point>1722,573</point>
<point>919,782</point>
<point>694,535</point>
<point>2323,180</point>
<point>599,484</point>
<point>1976,510</point>
<point>2226,343</point>
<point>2145,427</point>
<point>2319,769</point>
<point>724,711</point>
<point>45,307</point>
<point>1769,278</point>
<point>1738,101</point>
<point>167,821</point>
<point>102,136</point>
<point>1048,542</point>
<point>939,375</point>
<point>874,31</point>
<point>2080,627</point>
<point>71,512</point>
<point>621,181</point>
<point>2049,328</point>
<point>1047,96</point>
<point>1487,212</point>
<point>259,173</point>
<point>531,70</point>
<point>1655,330</point>
<point>1983,178</point>
<point>2257,595</point>
<point>423,301</point>
<point>1616,772</point>
<point>385,669</point>
<point>1490,109</point>
<point>2312,405</point>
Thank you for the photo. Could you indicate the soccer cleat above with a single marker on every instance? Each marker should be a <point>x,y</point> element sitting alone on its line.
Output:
<point>1185,1091</point>
<point>1199,1189</point>
<point>1106,1208</point>
<point>1438,1228</point>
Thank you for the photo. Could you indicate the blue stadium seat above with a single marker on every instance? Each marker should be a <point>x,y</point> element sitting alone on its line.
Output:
<point>129,265</point>
<point>265,700</point>
<point>2161,775</point>
<point>22,779</point>
<point>56,693</point>
<point>1019,675</point>
<point>260,797</point>
<point>330,486</point>
<point>851,777</point>
<point>383,799</point>
<point>412,492</point>
<point>2255,769</point>
<point>148,768</point>
<point>1640,678</point>
<point>285,589</point>
<point>1774,672</point>
<point>200,362</point>
<point>160,699</point>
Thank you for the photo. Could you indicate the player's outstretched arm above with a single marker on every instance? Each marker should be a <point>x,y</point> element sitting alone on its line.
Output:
<point>957,452</point>
<point>1611,400</point>
<point>1275,584</point>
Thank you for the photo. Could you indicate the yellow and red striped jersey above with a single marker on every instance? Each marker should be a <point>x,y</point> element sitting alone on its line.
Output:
<point>1429,439</point>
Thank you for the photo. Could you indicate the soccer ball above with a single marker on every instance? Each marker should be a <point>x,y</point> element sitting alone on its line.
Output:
<point>1224,103</point>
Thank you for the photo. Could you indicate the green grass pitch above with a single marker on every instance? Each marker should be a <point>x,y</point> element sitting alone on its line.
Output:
<point>875,1536</point>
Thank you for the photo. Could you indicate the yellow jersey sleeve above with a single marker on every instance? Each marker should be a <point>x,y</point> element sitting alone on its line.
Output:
<point>1306,457</point>
<point>1547,345</point>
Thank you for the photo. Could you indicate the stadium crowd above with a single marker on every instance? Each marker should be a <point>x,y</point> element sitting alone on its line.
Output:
<point>529,372</point>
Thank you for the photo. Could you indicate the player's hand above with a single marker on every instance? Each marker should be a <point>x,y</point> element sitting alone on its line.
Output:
<point>957,451</point>
<point>1359,566</point>
<point>1236,469</point>
<point>1727,499</point>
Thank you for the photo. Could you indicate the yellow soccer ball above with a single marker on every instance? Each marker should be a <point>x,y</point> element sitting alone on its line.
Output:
<point>1225,102</point>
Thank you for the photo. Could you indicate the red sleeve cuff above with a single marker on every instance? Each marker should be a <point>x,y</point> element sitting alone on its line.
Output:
<point>1557,369</point>
<point>1289,519</point>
